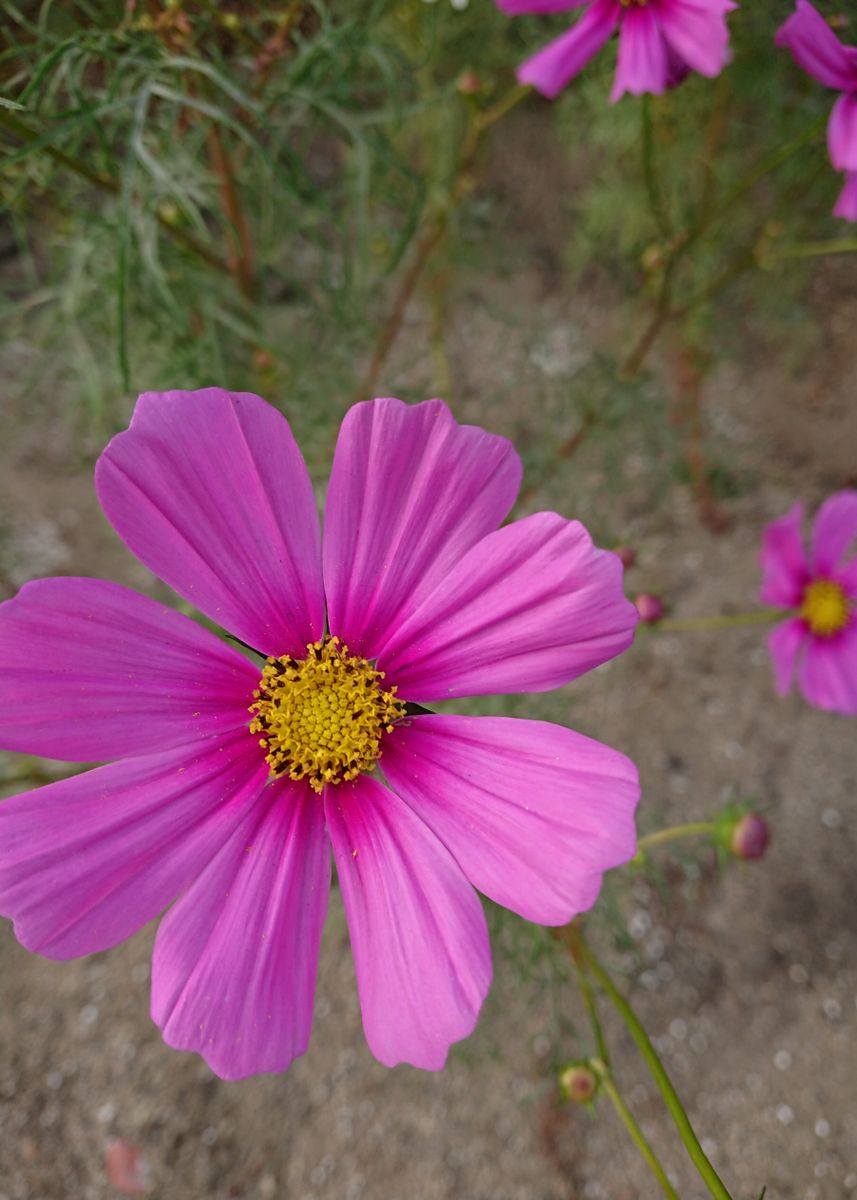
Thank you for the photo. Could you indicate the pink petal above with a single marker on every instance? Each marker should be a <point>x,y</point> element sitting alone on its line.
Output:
<point>697,32</point>
<point>91,671</point>
<point>533,813</point>
<point>816,48</point>
<point>410,492</point>
<point>784,645</point>
<point>555,66</point>
<point>417,928</point>
<point>642,62</point>
<point>235,959</point>
<point>827,675</point>
<point>86,862</point>
<point>846,576</point>
<point>529,608</point>
<point>514,8</point>
<point>834,531</point>
<point>846,204</point>
<point>842,133</point>
<point>209,490</point>
<point>783,561</point>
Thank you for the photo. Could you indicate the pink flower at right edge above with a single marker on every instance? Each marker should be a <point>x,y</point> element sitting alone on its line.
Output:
<point>819,642</point>
<point>660,41</point>
<point>818,51</point>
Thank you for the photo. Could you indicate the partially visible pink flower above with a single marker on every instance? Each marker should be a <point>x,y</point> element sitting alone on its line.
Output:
<point>846,205</point>
<point>230,782</point>
<point>816,48</point>
<point>819,642</point>
<point>660,41</point>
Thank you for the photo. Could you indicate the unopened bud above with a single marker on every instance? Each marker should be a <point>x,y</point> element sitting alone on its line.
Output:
<point>750,836</point>
<point>578,1082</point>
<point>627,555</point>
<point>470,84</point>
<point>653,258</point>
<point>649,607</point>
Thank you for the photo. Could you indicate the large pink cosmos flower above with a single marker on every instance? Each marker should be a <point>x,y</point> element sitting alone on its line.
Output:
<point>820,640</point>
<point>233,779</point>
<point>816,48</point>
<point>659,42</point>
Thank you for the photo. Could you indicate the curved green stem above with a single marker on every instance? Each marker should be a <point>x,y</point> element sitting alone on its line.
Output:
<point>637,1136</point>
<point>674,834</point>
<point>664,1084</point>
<point>762,617</point>
<point>601,1067</point>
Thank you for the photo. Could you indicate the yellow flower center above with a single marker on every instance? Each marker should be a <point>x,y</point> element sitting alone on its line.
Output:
<point>322,718</point>
<point>825,607</point>
<point>632,3</point>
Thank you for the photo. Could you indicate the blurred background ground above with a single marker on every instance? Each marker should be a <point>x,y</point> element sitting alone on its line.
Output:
<point>747,979</point>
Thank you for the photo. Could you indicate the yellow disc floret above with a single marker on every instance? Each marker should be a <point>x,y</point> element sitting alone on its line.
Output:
<point>825,607</point>
<point>322,718</point>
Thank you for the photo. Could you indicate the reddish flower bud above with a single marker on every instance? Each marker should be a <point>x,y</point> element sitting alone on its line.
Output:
<point>469,84</point>
<point>750,836</point>
<point>627,555</point>
<point>649,607</point>
<point>578,1082</point>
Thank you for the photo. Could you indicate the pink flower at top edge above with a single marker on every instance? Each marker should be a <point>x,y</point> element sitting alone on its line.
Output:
<point>659,42</point>
<point>229,782</point>
<point>816,48</point>
<point>819,642</point>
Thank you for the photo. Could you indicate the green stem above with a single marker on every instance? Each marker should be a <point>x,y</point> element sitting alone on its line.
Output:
<point>663,313</point>
<point>771,163</point>
<point>505,104</point>
<point>812,250</point>
<point>589,1004</point>
<point>664,1084</point>
<point>601,1067</point>
<point>680,624</point>
<point>650,174</point>
<point>107,184</point>
<point>674,834</point>
<point>637,1137</point>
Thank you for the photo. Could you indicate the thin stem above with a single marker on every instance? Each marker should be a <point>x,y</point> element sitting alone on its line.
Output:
<point>681,624</point>
<point>239,245</point>
<point>505,104</point>
<point>664,1084</point>
<point>811,250</point>
<point>650,174</point>
<point>663,313</point>
<point>107,184</point>
<point>601,1065</point>
<point>434,232</point>
<point>637,1136</point>
<point>674,834</point>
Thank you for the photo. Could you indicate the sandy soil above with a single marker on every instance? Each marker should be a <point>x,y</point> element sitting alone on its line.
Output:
<point>747,979</point>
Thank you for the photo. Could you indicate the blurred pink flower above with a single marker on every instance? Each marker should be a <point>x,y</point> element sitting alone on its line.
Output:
<point>659,42</point>
<point>820,640</point>
<point>846,205</point>
<point>816,48</point>
<point>232,780</point>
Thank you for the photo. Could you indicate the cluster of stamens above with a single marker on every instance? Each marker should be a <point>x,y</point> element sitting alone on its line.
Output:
<point>825,607</point>
<point>322,718</point>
